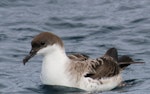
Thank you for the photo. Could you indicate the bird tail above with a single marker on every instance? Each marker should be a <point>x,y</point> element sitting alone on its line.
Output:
<point>125,61</point>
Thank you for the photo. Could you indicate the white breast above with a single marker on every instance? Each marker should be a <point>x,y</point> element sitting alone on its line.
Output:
<point>54,67</point>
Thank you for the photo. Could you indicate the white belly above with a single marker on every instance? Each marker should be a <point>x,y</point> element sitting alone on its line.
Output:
<point>57,76</point>
<point>54,80</point>
<point>105,84</point>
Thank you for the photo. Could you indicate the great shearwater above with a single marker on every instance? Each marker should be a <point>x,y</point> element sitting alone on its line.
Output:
<point>77,70</point>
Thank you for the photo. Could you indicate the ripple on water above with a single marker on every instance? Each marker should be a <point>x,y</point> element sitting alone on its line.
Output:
<point>3,37</point>
<point>86,26</point>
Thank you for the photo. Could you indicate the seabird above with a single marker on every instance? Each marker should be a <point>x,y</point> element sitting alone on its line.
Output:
<point>77,70</point>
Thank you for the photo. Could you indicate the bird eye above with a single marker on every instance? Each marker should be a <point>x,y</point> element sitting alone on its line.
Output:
<point>42,43</point>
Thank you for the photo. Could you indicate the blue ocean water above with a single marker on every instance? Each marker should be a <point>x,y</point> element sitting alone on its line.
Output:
<point>86,26</point>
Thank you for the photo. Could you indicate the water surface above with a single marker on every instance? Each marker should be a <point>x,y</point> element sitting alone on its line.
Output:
<point>86,26</point>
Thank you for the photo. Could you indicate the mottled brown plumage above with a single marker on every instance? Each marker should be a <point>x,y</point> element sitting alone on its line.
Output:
<point>103,67</point>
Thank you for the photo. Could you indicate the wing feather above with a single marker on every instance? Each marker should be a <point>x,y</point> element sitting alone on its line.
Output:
<point>78,57</point>
<point>103,67</point>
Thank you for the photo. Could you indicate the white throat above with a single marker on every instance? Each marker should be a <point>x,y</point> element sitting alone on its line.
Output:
<point>54,66</point>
